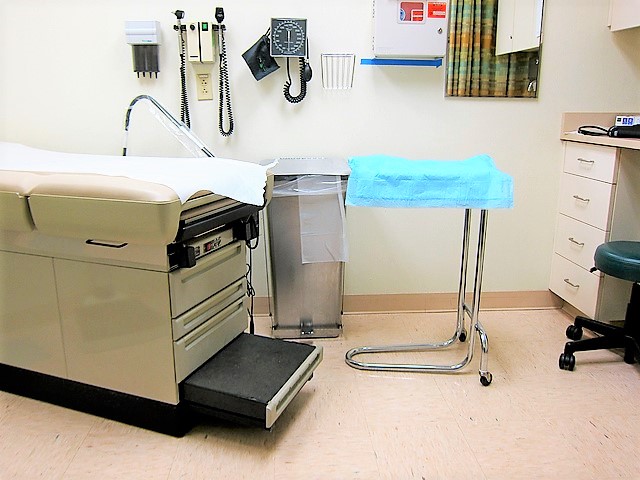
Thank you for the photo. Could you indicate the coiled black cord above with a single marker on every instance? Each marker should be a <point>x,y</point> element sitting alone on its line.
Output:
<point>594,130</point>
<point>303,83</point>
<point>251,292</point>
<point>184,101</point>
<point>225,90</point>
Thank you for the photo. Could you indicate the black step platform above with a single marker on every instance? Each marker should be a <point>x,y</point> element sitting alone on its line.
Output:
<point>251,380</point>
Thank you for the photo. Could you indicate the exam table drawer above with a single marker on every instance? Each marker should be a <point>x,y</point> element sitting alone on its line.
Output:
<point>577,241</point>
<point>202,343</point>
<point>212,273</point>
<point>591,161</point>
<point>199,314</point>
<point>574,284</point>
<point>589,201</point>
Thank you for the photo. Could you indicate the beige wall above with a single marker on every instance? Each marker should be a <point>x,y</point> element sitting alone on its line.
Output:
<point>66,80</point>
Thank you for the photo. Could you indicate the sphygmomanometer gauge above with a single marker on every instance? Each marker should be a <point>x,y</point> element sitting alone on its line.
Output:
<point>288,37</point>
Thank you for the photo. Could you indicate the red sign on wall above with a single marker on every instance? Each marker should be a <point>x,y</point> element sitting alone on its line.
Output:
<point>412,12</point>
<point>437,9</point>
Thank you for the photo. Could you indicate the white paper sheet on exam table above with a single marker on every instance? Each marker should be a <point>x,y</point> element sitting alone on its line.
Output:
<point>241,181</point>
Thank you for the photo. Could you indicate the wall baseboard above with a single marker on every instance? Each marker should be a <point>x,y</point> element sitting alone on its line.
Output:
<point>434,302</point>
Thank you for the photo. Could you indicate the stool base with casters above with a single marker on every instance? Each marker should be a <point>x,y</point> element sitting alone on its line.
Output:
<point>622,260</point>
<point>460,333</point>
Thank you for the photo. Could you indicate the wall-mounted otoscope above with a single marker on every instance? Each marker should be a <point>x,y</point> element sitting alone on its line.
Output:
<point>182,47</point>
<point>224,87</point>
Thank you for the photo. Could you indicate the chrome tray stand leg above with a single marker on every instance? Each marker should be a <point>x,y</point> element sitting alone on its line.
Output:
<point>460,333</point>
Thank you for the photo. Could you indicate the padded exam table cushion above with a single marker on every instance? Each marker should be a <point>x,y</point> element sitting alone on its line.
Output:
<point>386,181</point>
<point>14,207</point>
<point>115,199</point>
<point>102,207</point>
<point>89,206</point>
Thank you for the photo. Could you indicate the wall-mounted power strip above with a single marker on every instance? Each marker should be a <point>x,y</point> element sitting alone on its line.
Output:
<point>627,120</point>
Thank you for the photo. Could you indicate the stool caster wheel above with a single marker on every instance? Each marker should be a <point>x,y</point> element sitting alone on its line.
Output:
<point>573,332</point>
<point>486,378</point>
<point>463,335</point>
<point>629,356</point>
<point>567,361</point>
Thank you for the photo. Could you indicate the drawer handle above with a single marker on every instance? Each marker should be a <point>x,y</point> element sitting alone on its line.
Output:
<point>584,160</point>
<point>574,241</point>
<point>578,197</point>
<point>566,280</point>
<point>103,243</point>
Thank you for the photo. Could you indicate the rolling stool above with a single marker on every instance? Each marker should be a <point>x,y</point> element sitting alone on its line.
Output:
<point>619,259</point>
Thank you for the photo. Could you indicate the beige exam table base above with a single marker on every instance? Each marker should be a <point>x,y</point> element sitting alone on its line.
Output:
<point>114,293</point>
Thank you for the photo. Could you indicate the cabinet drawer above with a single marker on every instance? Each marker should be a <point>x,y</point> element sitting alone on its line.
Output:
<point>589,201</point>
<point>592,161</point>
<point>197,347</point>
<point>212,273</point>
<point>577,241</point>
<point>574,284</point>
<point>199,314</point>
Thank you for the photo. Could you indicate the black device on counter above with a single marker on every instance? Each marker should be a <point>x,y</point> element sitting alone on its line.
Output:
<point>622,131</point>
<point>626,131</point>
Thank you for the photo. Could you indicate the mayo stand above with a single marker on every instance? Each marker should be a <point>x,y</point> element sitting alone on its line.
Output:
<point>495,190</point>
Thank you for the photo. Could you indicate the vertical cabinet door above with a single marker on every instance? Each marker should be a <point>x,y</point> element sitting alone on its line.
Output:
<point>624,14</point>
<point>30,336</point>
<point>519,25</point>
<point>116,324</point>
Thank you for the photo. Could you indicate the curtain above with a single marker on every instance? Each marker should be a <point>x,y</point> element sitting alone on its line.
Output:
<point>473,69</point>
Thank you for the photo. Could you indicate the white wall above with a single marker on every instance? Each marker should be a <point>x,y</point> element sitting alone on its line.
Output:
<point>66,80</point>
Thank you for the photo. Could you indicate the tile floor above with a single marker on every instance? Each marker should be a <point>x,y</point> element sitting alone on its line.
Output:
<point>533,422</point>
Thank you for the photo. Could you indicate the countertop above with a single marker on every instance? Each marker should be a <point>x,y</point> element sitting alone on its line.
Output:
<point>572,120</point>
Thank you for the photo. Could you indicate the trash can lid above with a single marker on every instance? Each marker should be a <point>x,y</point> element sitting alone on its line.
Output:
<point>310,166</point>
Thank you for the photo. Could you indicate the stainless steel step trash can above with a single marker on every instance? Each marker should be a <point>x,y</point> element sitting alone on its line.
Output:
<point>307,246</point>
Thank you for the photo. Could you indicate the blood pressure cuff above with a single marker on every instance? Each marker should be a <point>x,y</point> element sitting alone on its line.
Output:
<point>259,59</point>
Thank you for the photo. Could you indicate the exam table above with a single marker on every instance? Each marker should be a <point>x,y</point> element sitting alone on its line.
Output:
<point>123,289</point>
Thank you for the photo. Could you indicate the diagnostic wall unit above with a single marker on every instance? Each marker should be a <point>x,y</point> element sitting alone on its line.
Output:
<point>200,42</point>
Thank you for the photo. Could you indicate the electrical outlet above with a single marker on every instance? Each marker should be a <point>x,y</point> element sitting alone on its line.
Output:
<point>204,86</point>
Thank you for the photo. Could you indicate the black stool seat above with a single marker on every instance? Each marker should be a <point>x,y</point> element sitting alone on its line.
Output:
<point>620,259</point>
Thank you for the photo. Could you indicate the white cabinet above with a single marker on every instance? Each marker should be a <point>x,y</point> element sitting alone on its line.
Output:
<point>598,193</point>
<point>623,14</point>
<point>519,25</point>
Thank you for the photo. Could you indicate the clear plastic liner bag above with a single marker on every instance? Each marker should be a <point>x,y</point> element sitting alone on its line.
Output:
<point>310,184</point>
<point>322,217</point>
